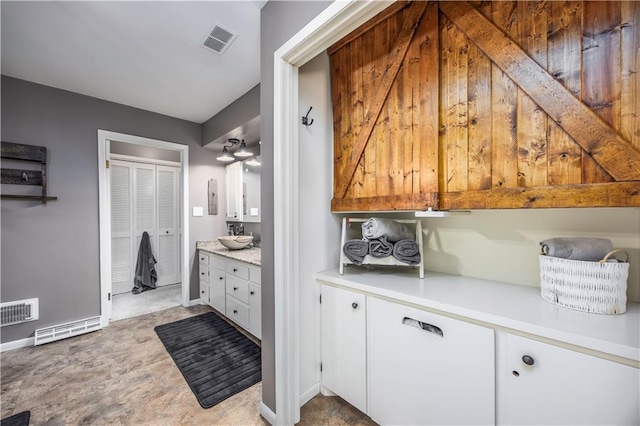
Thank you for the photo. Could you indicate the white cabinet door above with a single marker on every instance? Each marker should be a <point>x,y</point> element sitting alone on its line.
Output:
<point>255,310</point>
<point>234,191</point>
<point>217,289</point>
<point>428,369</point>
<point>562,386</point>
<point>344,345</point>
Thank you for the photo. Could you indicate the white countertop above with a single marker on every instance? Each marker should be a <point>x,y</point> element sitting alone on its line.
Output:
<point>251,255</point>
<point>503,305</point>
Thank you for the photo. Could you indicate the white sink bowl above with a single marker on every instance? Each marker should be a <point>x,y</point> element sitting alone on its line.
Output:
<point>235,242</point>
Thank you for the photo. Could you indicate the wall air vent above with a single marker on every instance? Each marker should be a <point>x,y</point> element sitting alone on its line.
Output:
<point>219,39</point>
<point>70,329</point>
<point>19,311</point>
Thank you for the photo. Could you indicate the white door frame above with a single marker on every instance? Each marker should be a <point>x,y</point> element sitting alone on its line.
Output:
<point>104,137</point>
<point>335,22</point>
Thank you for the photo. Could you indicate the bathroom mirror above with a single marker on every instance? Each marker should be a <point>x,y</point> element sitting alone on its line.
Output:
<point>243,192</point>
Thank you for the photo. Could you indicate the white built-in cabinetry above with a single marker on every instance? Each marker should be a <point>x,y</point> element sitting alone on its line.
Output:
<point>144,197</point>
<point>403,352</point>
<point>233,289</point>
<point>539,383</point>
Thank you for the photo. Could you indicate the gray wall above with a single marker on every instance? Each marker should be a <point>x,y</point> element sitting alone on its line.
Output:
<point>243,109</point>
<point>52,251</point>
<point>279,21</point>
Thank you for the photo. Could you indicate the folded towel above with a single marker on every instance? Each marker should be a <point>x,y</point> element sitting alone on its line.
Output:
<point>407,251</point>
<point>375,228</point>
<point>356,250</point>
<point>380,248</point>
<point>577,248</point>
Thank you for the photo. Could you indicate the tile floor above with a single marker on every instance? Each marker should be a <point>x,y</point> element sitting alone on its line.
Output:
<point>123,375</point>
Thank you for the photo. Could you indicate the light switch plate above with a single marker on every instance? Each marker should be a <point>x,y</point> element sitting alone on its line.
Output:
<point>198,211</point>
<point>254,211</point>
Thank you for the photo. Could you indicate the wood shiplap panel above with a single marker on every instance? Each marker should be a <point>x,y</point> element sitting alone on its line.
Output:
<point>357,109</point>
<point>429,100</point>
<point>369,84</point>
<point>395,102</point>
<point>504,161</point>
<point>630,114</point>
<point>564,47</point>
<point>383,188</point>
<point>601,77</point>
<point>479,95</point>
<point>532,121</point>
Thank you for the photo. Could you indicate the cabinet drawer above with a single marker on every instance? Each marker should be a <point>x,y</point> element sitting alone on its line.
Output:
<point>217,262</point>
<point>237,311</point>
<point>239,270</point>
<point>238,288</point>
<point>204,258</point>
<point>204,292</point>
<point>204,272</point>
<point>255,276</point>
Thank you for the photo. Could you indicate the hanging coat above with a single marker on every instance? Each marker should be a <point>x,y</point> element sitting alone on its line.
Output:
<point>146,275</point>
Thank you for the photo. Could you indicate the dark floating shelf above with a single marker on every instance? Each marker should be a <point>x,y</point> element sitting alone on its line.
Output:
<point>29,153</point>
<point>28,197</point>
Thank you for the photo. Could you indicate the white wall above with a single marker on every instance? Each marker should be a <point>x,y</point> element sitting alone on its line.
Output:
<point>319,229</point>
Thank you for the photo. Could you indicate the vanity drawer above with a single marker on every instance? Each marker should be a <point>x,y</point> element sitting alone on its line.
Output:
<point>238,288</point>
<point>204,272</point>
<point>239,270</point>
<point>204,258</point>
<point>217,262</point>
<point>237,311</point>
<point>204,292</point>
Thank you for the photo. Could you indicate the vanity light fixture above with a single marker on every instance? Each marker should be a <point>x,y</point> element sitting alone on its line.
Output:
<point>255,161</point>
<point>243,151</point>
<point>225,156</point>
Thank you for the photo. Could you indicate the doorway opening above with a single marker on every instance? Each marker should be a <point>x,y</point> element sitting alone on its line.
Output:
<point>143,189</point>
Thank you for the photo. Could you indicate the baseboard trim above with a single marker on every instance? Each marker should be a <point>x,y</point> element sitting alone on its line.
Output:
<point>195,302</point>
<point>309,394</point>
<point>16,344</point>
<point>267,414</point>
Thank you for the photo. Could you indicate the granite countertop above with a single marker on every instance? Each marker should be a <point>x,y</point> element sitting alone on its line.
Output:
<point>251,255</point>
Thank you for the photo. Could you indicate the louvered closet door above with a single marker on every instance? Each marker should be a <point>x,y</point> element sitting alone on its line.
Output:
<point>144,206</point>
<point>122,248</point>
<point>168,232</point>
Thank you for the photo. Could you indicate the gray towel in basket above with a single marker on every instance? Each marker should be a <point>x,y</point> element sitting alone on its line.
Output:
<point>356,250</point>
<point>577,248</point>
<point>376,227</point>
<point>407,251</point>
<point>380,248</point>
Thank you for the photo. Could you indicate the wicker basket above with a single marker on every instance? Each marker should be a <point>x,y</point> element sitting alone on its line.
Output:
<point>596,287</point>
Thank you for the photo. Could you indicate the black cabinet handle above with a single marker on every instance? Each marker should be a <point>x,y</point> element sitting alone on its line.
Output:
<point>354,305</point>
<point>235,269</point>
<point>527,359</point>
<point>253,292</point>
<point>202,291</point>
<point>235,288</point>
<point>235,311</point>
<point>222,278</point>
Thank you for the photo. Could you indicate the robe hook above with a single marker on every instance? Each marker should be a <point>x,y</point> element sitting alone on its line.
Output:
<point>305,119</point>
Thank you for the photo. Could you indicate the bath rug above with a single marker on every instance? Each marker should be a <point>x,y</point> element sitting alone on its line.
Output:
<point>19,419</point>
<point>216,360</point>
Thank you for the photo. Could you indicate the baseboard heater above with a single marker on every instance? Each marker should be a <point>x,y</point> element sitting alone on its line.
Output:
<point>70,329</point>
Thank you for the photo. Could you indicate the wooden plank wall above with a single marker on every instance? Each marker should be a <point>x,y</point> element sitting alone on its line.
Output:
<point>456,131</point>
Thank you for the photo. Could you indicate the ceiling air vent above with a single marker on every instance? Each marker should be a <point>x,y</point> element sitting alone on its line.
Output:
<point>219,39</point>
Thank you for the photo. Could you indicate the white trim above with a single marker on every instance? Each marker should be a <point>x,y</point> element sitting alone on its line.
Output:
<point>16,344</point>
<point>104,137</point>
<point>267,414</point>
<point>336,21</point>
<point>196,302</point>
<point>309,394</point>
<point>136,159</point>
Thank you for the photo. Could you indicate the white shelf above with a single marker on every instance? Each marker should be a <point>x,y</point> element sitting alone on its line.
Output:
<point>385,261</point>
<point>442,213</point>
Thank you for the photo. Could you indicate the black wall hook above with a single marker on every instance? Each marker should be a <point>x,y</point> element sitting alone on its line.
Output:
<point>305,119</point>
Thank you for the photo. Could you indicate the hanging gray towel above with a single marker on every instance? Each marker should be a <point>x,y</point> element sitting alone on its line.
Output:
<point>380,248</point>
<point>146,275</point>
<point>407,251</point>
<point>376,227</point>
<point>577,248</point>
<point>356,250</point>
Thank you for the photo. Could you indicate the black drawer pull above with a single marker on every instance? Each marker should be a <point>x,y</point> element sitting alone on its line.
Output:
<point>222,278</point>
<point>423,326</point>
<point>253,292</point>
<point>235,269</point>
<point>235,288</point>
<point>354,305</point>
<point>528,359</point>
<point>235,311</point>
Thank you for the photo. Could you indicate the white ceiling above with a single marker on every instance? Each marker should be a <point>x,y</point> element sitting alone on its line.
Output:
<point>144,54</point>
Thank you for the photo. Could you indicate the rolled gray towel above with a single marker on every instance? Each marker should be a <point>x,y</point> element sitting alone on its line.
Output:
<point>577,248</point>
<point>380,248</point>
<point>376,227</point>
<point>356,250</point>
<point>407,251</point>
